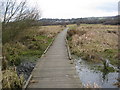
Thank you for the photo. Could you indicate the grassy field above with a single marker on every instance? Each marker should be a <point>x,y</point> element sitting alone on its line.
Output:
<point>28,45</point>
<point>94,42</point>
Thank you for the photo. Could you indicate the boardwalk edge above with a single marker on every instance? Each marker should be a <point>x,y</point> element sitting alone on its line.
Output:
<point>28,80</point>
<point>68,49</point>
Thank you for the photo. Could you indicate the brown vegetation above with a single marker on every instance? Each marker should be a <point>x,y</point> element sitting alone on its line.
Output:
<point>11,79</point>
<point>94,42</point>
<point>29,43</point>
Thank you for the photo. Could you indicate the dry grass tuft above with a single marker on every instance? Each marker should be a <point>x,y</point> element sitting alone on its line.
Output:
<point>88,85</point>
<point>11,79</point>
<point>30,43</point>
<point>91,42</point>
<point>50,31</point>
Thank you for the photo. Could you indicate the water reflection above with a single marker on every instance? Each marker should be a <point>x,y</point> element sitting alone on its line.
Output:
<point>87,75</point>
<point>105,75</point>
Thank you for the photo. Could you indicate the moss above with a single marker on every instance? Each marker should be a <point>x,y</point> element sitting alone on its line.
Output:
<point>29,58</point>
<point>40,37</point>
<point>101,68</point>
<point>31,53</point>
<point>110,54</point>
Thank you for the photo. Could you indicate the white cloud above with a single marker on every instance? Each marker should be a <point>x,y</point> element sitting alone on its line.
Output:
<point>76,8</point>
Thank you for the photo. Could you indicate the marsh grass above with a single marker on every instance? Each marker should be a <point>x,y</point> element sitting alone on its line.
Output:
<point>30,42</point>
<point>28,45</point>
<point>11,80</point>
<point>94,42</point>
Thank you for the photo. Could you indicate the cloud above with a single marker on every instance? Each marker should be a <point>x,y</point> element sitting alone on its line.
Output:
<point>76,8</point>
<point>108,7</point>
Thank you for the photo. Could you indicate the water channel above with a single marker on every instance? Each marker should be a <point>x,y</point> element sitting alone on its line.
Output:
<point>89,75</point>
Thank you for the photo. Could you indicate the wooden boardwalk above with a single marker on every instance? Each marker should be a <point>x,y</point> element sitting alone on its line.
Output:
<point>54,70</point>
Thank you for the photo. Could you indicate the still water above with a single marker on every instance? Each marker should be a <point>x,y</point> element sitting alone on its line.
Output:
<point>88,75</point>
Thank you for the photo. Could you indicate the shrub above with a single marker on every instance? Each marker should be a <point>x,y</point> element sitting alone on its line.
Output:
<point>12,51</point>
<point>11,79</point>
<point>73,32</point>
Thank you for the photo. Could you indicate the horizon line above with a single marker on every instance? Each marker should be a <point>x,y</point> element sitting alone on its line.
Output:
<point>81,17</point>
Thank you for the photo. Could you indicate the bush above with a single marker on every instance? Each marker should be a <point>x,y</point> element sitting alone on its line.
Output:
<point>12,52</point>
<point>12,29</point>
<point>11,79</point>
<point>73,32</point>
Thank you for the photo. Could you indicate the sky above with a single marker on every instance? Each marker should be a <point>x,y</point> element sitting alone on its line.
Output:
<point>76,8</point>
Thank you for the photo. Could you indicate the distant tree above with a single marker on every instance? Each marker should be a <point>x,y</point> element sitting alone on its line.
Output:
<point>17,16</point>
<point>14,11</point>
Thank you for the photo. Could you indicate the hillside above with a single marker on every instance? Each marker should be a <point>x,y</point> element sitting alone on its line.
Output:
<point>112,20</point>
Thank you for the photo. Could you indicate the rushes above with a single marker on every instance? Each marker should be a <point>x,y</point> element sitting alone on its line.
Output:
<point>28,46</point>
<point>90,41</point>
<point>11,79</point>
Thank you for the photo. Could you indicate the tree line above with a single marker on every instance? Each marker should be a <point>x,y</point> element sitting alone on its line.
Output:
<point>90,20</point>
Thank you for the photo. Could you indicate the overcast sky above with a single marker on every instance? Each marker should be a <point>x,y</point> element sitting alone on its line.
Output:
<point>76,8</point>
